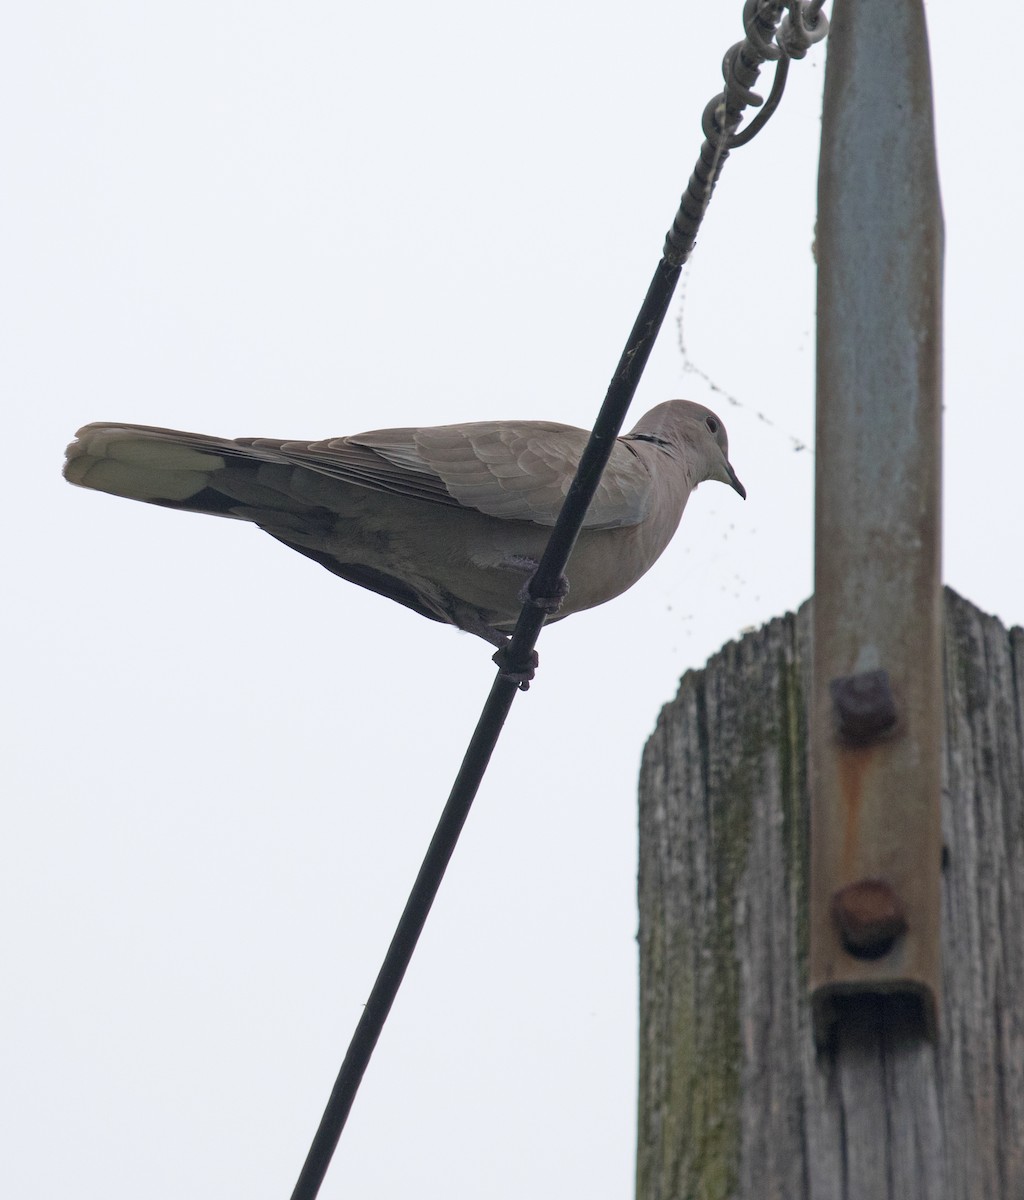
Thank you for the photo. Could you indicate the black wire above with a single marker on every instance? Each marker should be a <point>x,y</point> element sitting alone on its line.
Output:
<point>721,118</point>
<point>407,932</point>
<point>485,736</point>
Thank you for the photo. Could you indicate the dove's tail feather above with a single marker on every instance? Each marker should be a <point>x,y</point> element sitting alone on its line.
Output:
<point>192,472</point>
<point>248,480</point>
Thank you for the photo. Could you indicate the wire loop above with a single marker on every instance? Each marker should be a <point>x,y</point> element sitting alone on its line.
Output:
<point>802,27</point>
<point>770,105</point>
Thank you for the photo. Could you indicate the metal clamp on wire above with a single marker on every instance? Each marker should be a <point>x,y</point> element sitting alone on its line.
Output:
<point>765,41</point>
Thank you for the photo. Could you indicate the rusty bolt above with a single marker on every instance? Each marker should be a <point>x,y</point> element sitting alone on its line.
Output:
<point>864,705</point>
<point>869,916</point>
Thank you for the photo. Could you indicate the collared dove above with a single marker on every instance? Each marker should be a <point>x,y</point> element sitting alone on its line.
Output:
<point>450,520</point>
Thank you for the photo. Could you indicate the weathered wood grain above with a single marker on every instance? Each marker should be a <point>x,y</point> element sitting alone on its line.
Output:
<point>735,1101</point>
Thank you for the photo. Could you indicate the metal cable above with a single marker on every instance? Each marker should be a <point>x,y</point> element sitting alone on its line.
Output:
<point>721,117</point>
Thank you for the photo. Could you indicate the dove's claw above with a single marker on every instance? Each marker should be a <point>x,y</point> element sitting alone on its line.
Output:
<point>519,673</point>
<point>524,564</point>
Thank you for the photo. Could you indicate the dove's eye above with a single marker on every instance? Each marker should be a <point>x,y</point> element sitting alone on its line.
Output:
<point>711,423</point>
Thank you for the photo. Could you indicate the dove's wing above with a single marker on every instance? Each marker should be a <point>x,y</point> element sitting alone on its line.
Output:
<point>513,470</point>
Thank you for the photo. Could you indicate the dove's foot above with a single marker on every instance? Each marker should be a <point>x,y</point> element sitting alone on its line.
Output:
<point>548,604</point>
<point>520,673</point>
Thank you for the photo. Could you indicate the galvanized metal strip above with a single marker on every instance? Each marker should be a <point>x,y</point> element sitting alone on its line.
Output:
<point>877,706</point>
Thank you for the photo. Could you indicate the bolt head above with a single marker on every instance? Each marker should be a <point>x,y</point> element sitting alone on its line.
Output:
<point>864,705</point>
<point>869,916</point>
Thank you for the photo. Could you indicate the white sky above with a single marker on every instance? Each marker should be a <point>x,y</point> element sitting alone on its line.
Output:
<point>224,763</point>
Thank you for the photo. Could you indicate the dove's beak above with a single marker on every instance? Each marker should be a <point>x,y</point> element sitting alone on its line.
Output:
<point>734,481</point>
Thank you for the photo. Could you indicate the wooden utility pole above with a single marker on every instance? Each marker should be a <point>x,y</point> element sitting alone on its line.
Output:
<point>737,1102</point>
<point>832,834</point>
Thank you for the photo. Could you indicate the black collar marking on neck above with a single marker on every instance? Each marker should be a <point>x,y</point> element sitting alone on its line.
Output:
<point>648,437</point>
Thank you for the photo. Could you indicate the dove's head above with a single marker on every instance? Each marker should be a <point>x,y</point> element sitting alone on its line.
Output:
<point>693,433</point>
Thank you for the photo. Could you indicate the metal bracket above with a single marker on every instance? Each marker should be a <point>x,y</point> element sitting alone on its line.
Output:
<point>877,704</point>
